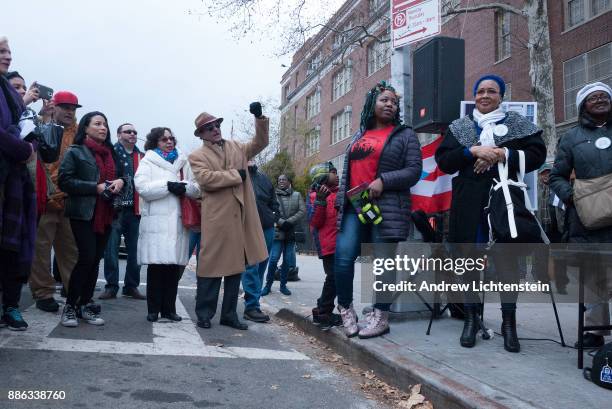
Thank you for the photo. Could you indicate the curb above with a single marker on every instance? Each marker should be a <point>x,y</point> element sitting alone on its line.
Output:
<point>441,390</point>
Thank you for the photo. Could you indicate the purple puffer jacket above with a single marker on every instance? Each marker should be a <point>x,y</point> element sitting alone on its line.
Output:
<point>399,167</point>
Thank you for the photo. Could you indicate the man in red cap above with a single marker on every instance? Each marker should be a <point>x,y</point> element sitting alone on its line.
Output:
<point>53,228</point>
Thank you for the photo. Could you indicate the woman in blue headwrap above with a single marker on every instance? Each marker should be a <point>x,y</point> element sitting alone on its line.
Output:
<point>472,146</point>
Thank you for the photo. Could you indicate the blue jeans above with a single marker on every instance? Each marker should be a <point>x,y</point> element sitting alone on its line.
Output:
<point>252,278</point>
<point>287,249</point>
<point>195,240</point>
<point>348,246</point>
<point>127,223</point>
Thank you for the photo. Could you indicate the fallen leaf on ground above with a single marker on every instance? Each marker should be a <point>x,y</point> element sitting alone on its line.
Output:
<point>415,389</point>
<point>424,405</point>
<point>218,345</point>
<point>369,375</point>
<point>274,387</point>
<point>307,376</point>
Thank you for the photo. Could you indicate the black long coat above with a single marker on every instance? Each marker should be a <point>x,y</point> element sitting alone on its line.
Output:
<point>470,190</point>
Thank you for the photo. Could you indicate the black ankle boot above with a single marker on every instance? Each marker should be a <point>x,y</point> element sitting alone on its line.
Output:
<point>470,328</point>
<point>508,330</point>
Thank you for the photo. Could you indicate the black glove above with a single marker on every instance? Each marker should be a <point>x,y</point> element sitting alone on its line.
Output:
<point>255,109</point>
<point>177,188</point>
<point>243,174</point>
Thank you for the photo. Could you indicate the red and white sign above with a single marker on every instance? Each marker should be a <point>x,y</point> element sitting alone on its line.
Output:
<point>414,20</point>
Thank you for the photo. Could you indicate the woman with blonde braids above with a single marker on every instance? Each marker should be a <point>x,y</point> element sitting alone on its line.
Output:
<point>385,155</point>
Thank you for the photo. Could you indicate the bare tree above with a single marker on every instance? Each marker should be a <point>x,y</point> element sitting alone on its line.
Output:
<point>243,128</point>
<point>540,58</point>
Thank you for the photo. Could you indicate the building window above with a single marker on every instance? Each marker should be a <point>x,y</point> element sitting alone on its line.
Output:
<point>502,49</point>
<point>313,139</point>
<point>343,34</point>
<point>286,91</point>
<point>508,93</point>
<point>342,81</point>
<point>313,104</point>
<point>375,5</point>
<point>379,54</point>
<point>341,126</point>
<point>314,63</point>
<point>338,163</point>
<point>578,11</point>
<point>596,65</point>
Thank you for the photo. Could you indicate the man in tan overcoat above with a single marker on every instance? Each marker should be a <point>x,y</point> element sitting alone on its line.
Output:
<point>232,237</point>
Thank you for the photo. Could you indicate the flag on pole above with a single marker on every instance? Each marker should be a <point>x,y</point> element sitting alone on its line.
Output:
<point>433,192</point>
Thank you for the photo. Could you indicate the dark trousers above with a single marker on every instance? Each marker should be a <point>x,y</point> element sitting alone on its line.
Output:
<point>162,286</point>
<point>208,296</point>
<point>91,247</point>
<point>10,279</point>
<point>127,224</point>
<point>325,303</point>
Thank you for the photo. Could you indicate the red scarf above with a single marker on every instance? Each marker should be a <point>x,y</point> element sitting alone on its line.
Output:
<point>103,213</point>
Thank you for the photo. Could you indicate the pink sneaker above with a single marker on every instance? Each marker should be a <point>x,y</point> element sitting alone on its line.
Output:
<point>349,320</point>
<point>378,324</point>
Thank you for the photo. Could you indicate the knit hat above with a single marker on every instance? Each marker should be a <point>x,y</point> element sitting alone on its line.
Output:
<point>588,89</point>
<point>320,172</point>
<point>499,80</point>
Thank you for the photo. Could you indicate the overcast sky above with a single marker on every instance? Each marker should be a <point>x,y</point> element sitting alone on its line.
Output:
<point>147,62</point>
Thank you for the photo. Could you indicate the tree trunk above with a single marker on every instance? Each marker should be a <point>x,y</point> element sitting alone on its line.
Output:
<point>541,69</point>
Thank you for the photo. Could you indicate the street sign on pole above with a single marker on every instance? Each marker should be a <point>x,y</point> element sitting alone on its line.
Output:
<point>414,20</point>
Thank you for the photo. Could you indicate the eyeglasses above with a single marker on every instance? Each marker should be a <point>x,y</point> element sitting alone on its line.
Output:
<point>212,126</point>
<point>130,131</point>
<point>597,98</point>
<point>166,139</point>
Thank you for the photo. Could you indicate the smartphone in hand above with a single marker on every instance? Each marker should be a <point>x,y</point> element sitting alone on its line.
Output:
<point>44,92</point>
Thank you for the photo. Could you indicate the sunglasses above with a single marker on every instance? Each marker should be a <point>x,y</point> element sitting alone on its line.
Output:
<point>131,132</point>
<point>166,139</point>
<point>597,98</point>
<point>212,126</point>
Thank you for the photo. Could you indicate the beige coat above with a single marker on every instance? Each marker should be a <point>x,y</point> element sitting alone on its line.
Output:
<point>232,236</point>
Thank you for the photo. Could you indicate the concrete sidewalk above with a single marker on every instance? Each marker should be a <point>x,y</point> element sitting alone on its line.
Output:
<point>542,375</point>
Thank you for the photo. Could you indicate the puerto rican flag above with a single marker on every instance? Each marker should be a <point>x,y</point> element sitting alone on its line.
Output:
<point>432,193</point>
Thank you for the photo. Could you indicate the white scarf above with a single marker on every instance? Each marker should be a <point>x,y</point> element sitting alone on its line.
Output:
<point>487,123</point>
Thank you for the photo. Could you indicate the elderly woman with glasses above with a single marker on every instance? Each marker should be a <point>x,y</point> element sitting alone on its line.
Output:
<point>162,179</point>
<point>587,150</point>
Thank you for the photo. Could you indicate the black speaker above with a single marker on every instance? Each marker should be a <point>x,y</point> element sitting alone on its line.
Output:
<point>438,83</point>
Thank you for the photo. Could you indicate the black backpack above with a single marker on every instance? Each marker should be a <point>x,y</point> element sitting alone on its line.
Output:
<point>601,372</point>
<point>510,219</point>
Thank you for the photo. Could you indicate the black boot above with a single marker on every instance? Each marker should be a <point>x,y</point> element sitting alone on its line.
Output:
<point>470,328</point>
<point>508,330</point>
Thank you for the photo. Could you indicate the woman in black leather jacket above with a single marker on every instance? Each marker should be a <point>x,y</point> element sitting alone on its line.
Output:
<point>90,178</point>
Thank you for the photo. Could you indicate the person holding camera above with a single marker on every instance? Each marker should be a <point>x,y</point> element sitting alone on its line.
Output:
<point>385,157</point>
<point>292,211</point>
<point>162,180</point>
<point>17,199</point>
<point>89,176</point>
<point>232,236</point>
<point>54,230</point>
<point>322,216</point>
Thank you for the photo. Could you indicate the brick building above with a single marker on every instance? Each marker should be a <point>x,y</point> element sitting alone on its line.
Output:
<point>323,90</point>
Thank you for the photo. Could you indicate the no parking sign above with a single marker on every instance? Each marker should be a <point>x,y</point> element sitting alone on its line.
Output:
<point>414,20</point>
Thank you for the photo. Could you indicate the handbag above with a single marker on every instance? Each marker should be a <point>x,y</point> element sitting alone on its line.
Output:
<point>601,371</point>
<point>593,201</point>
<point>508,211</point>
<point>49,139</point>
<point>191,214</point>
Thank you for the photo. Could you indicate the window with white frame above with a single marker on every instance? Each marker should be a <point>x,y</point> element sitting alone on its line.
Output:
<point>579,11</point>
<point>502,25</point>
<point>343,33</point>
<point>341,126</point>
<point>342,80</point>
<point>313,139</point>
<point>313,104</point>
<point>314,63</point>
<point>379,54</point>
<point>596,65</point>
<point>338,163</point>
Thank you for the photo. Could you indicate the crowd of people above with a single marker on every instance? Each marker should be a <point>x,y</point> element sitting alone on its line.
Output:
<point>78,205</point>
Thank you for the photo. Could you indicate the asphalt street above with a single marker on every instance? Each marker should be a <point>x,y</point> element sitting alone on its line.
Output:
<point>131,363</point>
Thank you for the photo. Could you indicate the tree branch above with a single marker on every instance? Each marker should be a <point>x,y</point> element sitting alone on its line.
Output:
<point>487,6</point>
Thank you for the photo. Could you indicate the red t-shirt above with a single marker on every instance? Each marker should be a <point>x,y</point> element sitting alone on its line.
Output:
<point>364,155</point>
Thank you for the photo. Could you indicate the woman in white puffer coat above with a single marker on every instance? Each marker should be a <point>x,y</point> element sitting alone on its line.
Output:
<point>163,176</point>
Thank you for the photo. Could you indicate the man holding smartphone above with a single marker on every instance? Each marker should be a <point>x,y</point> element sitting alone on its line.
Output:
<point>128,222</point>
<point>54,229</point>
